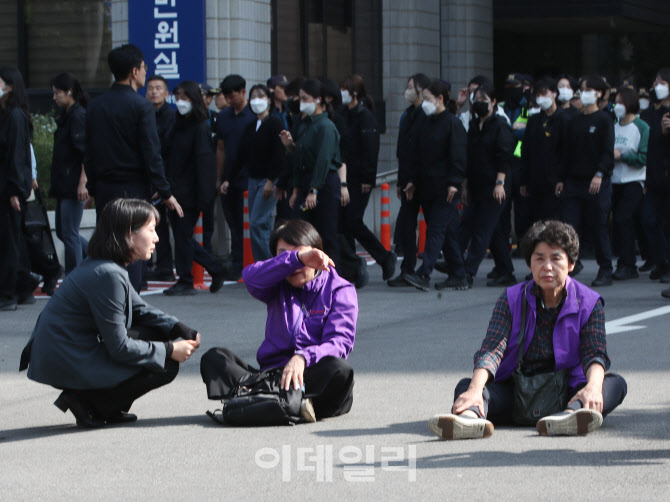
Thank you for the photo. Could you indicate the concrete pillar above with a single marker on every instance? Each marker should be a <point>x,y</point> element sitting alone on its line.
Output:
<point>119,22</point>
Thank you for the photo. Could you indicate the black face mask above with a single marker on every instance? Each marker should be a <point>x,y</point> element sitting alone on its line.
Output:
<point>293,106</point>
<point>513,95</point>
<point>481,108</point>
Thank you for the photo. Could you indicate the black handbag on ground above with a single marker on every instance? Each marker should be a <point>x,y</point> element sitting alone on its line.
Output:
<point>258,400</point>
<point>536,396</point>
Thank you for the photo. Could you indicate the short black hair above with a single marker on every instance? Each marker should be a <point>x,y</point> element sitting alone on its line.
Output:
<point>554,233</point>
<point>233,83</point>
<point>112,237</point>
<point>314,88</point>
<point>480,80</point>
<point>192,91</point>
<point>331,89</point>
<point>545,84</point>
<point>437,88</point>
<point>486,89</point>
<point>158,77</point>
<point>123,59</point>
<point>572,81</point>
<point>595,82</point>
<point>293,87</point>
<point>630,99</point>
<point>295,233</point>
<point>421,81</point>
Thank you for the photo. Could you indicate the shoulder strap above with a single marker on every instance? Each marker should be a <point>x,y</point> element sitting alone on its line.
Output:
<point>522,333</point>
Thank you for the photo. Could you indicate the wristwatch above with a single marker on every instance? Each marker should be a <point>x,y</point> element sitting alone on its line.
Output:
<point>599,174</point>
<point>500,182</point>
<point>344,183</point>
<point>313,191</point>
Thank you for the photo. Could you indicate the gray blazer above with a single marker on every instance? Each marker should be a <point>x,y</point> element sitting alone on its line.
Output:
<point>80,340</point>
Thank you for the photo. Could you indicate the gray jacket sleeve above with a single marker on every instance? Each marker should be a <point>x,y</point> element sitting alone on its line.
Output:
<point>109,304</point>
<point>146,315</point>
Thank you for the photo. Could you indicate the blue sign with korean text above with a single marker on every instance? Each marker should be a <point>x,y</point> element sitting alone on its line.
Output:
<point>171,34</point>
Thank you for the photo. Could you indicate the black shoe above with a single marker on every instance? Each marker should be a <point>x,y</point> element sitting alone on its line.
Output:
<point>25,299</point>
<point>420,282</point>
<point>441,266</point>
<point>625,273</point>
<point>470,279</point>
<point>34,281</point>
<point>453,283</point>
<point>604,278</point>
<point>646,266</point>
<point>362,277</point>
<point>217,283</point>
<point>507,279</point>
<point>388,267</point>
<point>665,278</point>
<point>399,282</point>
<point>658,271</point>
<point>665,293</point>
<point>180,289</point>
<point>121,418</point>
<point>85,416</point>
<point>578,268</point>
<point>493,274</point>
<point>51,282</point>
<point>7,304</point>
<point>232,274</point>
<point>159,275</point>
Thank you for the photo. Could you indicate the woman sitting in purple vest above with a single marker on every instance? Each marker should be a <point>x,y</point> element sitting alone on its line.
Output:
<point>310,329</point>
<point>565,329</point>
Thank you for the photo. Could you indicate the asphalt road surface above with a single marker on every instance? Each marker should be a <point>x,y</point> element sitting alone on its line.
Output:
<point>411,350</point>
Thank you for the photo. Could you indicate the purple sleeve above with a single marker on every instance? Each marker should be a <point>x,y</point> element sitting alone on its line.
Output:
<point>339,330</point>
<point>263,278</point>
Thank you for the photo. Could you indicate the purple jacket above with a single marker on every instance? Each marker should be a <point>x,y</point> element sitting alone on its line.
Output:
<point>316,321</point>
<point>579,303</point>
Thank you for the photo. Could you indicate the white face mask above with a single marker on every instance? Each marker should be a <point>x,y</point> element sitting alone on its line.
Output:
<point>411,96</point>
<point>534,111</point>
<point>565,94</point>
<point>544,102</point>
<point>588,97</point>
<point>661,91</point>
<point>184,106</point>
<point>644,104</point>
<point>619,110</point>
<point>308,108</point>
<point>428,108</point>
<point>346,97</point>
<point>259,105</point>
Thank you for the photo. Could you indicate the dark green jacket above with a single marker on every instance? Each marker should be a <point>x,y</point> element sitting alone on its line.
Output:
<point>317,151</point>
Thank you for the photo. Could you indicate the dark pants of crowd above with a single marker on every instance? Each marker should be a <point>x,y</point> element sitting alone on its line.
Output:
<point>107,402</point>
<point>164,261</point>
<point>329,382</point>
<point>14,266</point>
<point>516,206</point>
<point>68,220</point>
<point>655,214</point>
<point>232,204</point>
<point>354,229</point>
<point>350,264</point>
<point>208,226</point>
<point>324,216</point>
<point>594,209</point>
<point>106,192</point>
<point>626,199</point>
<point>442,221</point>
<point>479,221</point>
<point>542,207</point>
<point>406,223</point>
<point>499,398</point>
<point>187,250</point>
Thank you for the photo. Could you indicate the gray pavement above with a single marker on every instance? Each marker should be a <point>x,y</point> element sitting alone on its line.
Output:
<point>411,350</point>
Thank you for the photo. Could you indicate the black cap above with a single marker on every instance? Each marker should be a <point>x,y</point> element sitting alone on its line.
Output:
<point>515,78</point>
<point>209,90</point>
<point>276,80</point>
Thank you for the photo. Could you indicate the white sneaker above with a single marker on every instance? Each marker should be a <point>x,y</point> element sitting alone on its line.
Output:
<point>307,410</point>
<point>451,426</point>
<point>566,423</point>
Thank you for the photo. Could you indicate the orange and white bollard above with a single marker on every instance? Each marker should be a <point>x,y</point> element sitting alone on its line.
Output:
<point>197,271</point>
<point>385,228</point>
<point>422,232</point>
<point>248,256</point>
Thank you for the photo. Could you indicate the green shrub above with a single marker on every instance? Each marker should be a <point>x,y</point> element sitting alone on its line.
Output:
<point>44,127</point>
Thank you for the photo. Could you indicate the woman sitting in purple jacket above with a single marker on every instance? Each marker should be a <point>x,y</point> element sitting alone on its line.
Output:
<point>310,329</point>
<point>564,330</point>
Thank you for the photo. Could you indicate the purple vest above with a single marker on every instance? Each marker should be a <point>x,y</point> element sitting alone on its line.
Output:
<point>579,303</point>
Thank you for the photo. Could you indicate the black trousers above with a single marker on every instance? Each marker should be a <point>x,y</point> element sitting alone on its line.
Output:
<point>107,402</point>
<point>233,209</point>
<point>208,226</point>
<point>579,205</point>
<point>329,383</point>
<point>324,216</point>
<point>187,250</point>
<point>163,249</point>
<point>499,397</point>
<point>479,221</point>
<point>626,199</point>
<point>354,229</point>
<point>406,224</point>
<point>655,215</point>
<point>542,206</point>
<point>516,207</point>
<point>105,192</point>
<point>14,266</point>
<point>442,222</point>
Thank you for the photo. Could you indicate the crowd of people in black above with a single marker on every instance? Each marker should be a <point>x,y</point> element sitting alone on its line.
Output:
<point>482,166</point>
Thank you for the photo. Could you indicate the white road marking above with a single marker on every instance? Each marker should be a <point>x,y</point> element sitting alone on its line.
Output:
<point>622,325</point>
